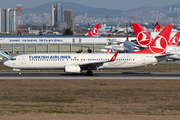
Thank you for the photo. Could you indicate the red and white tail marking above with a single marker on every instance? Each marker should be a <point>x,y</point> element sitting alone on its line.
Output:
<point>155,25</point>
<point>174,40</point>
<point>143,38</point>
<point>114,57</point>
<point>94,31</point>
<point>158,46</point>
<point>108,50</point>
<point>156,28</point>
<point>110,31</point>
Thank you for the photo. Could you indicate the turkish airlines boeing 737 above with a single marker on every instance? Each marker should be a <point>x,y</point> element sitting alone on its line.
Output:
<point>75,63</point>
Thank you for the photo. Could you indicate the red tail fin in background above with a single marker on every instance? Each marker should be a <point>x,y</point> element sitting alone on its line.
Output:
<point>94,31</point>
<point>143,38</point>
<point>158,46</point>
<point>110,31</point>
<point>174,40</point>
<point>156,29</point>
<point>155,25</point>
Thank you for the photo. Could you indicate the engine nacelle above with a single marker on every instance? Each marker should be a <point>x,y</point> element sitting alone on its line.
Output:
<point>6,52</point>
<point>72,69</point>
<point>89,50</point>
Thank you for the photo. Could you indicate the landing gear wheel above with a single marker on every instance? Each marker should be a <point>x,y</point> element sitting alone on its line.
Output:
<point>89,72</point>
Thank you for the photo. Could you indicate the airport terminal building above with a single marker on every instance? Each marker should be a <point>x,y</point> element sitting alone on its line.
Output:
<point>52,44</point>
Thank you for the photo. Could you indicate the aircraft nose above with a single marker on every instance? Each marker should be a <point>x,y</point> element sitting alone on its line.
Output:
<point>7,63</point>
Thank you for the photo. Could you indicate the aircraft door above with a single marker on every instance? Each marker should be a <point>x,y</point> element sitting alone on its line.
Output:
<point>23,60</point>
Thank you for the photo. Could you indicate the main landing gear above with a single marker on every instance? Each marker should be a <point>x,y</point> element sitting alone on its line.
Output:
<point>89,72</point>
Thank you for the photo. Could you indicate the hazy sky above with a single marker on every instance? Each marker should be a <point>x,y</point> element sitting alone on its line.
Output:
<point>110,4</point>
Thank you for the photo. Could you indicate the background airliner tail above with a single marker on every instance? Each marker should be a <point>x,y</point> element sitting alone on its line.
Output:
<point>174,40</point>
<point>156,29</point>
<point>94,31</point>
<point>155,26</point>
<point>158,46</point>
<point>110,31</point>
<point>143,38</point>
<point>106,27</point>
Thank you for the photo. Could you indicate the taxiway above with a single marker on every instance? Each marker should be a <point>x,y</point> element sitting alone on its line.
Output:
<point>95,76</point>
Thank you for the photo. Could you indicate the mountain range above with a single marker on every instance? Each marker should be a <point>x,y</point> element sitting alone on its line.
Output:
<point>79,9</point>
<point>92,12</point>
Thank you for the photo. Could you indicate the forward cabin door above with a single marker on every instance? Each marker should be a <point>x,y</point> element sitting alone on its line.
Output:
<point>23,59</point>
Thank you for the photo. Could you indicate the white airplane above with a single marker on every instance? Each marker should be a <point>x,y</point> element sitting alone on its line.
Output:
<point>75,63</point>
<point>105,31</point>
<point>144,40</point>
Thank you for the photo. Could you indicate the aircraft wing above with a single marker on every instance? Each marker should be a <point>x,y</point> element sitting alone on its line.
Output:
<point>94,65</point>
<point>163,56</point>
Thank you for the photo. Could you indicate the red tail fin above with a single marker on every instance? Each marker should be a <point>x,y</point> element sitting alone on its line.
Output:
<point>158,46</point>
<point>94,31</point>
<point>174,40</point>
<point>143,38</point>
<point>156,28</point>
<point>110,31</point>
<point>155,25</point>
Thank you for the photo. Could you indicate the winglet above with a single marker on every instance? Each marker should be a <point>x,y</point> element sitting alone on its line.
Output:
<point>108,50</point>
<point>114,57</point>
<point>6,56</point>
<point>94,31</point>
<point>174,40</point>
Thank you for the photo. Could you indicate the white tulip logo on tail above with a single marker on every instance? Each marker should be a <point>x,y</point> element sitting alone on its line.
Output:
<point>94,32</point>
<point>159,46</point>
<point>156,30</point>
<point>143,40</point>
<point>174,41</point>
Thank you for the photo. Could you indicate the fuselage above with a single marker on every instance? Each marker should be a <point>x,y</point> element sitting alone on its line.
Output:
<point>59,61</point>
<point>174,50</point>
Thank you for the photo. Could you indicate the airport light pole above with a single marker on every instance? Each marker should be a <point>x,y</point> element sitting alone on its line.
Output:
<point>106,23</point>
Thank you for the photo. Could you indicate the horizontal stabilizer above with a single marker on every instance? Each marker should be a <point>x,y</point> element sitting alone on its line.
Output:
<point>6,56</point>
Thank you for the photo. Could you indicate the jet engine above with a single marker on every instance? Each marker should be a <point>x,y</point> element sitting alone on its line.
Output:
<point>89,50</point>
<point>6,52</point>
<point>72,69</point>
